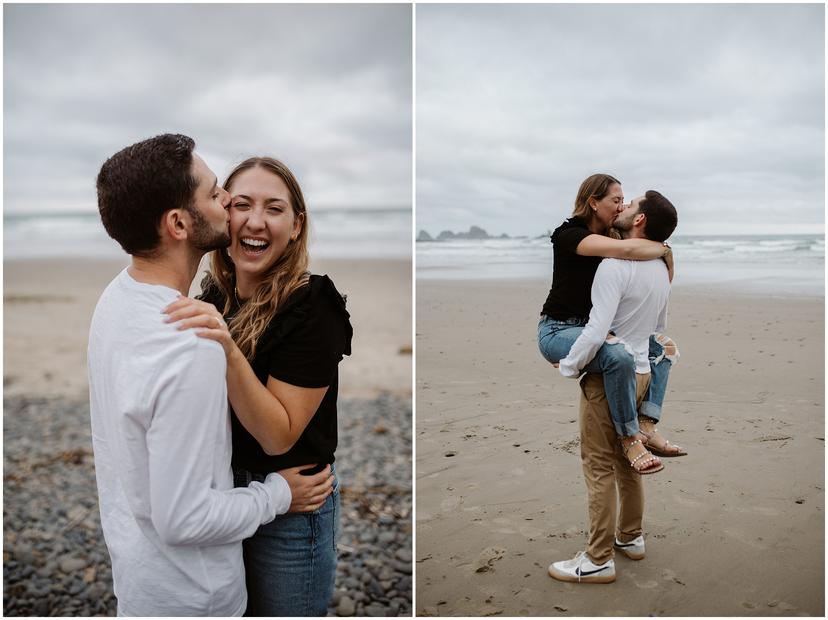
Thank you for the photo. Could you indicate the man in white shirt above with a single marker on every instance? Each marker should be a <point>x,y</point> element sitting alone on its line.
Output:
<point>172,521</point>
<point>629,299</point>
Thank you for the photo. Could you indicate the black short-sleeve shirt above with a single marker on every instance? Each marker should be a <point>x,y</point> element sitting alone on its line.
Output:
<point>302,345</point>
<point>572,275</point>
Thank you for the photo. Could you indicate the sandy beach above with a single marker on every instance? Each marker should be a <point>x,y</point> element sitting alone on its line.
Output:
<point>54,557</point>
<point>734,529</point>
<point>48,305</point>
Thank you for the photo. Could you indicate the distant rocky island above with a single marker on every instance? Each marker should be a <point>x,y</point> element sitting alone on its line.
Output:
<point>475,232</point>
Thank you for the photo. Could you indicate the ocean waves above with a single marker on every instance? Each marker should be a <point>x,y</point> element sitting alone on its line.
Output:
<point>334,233</point>
<point>775,264</point>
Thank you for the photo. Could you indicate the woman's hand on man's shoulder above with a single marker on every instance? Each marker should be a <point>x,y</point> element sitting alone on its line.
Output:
<point>203,317</point>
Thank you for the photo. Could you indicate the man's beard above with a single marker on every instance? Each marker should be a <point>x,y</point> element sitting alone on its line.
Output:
<point>623,224</point>
<point>204,236</point>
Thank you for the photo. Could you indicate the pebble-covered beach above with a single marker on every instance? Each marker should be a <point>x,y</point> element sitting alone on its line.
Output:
<point>55,562</point>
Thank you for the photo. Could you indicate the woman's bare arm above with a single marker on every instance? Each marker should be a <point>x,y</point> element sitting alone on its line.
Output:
<point>631,249</point>
<point>668,259</point>
<point>275,415</point>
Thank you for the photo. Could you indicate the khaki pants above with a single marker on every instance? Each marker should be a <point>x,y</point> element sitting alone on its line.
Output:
<point>605,468</point>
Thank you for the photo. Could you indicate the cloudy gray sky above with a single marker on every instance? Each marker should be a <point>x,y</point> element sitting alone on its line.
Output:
<point>721,107</point>
<point>326,88</point>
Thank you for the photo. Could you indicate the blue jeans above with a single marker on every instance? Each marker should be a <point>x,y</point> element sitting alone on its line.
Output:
<point>660,367</point>
<point>290,563</point>
<point>616,364</point>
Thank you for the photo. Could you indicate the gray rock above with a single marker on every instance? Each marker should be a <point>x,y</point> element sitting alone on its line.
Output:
<point>346,607</point>
<point>367,537</point>
<point>375,610</point>
<point>41,607</point>
<point>351,584</point>
<point>403,555</point>
<point>71,565</point>
<point>76,588</point>
<point>404,584</point>
<point>95,591</point>
<point>402,567</point>
<point>376,590</point>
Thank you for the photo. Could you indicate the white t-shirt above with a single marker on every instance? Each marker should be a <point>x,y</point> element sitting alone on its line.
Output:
<point>629,298</point>
<point>171,518</point>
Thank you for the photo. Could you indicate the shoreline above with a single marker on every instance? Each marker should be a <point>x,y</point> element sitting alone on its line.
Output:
<point>752,286</point>
<point>706,289</point>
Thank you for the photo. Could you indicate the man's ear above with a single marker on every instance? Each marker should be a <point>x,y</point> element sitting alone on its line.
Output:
<point>640,220</point>
<point>175,224</point>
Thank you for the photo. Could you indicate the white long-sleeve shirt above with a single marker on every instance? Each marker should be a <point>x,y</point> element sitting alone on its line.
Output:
<point>171,518</point>
<point>629,298</point>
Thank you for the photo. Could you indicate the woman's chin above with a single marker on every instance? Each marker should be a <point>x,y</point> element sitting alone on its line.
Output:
<point>251,267</point>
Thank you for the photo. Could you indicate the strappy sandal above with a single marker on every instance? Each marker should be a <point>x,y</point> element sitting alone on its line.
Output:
<point>665,449</point>
<point>650,464</point>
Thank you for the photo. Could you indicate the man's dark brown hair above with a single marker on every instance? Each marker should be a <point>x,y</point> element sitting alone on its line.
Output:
<point>662,218</point>
<point>138,184</point>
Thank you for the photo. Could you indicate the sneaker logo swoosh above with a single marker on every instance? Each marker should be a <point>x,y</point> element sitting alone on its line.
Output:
<point>584,573</point>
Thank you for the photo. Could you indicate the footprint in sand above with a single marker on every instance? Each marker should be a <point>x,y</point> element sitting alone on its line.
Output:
<point>486,559</point>
<point>423,516</point>
<point>507,526</point>
<point>504,530</point>
<point>669,575</point>
<point>450,504</point>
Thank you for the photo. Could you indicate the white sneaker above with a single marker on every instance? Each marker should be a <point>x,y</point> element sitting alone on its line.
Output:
<point>633,549</point>
<point>580,569</point>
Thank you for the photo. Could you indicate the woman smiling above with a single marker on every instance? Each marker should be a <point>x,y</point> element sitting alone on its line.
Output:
<point>285,334</point>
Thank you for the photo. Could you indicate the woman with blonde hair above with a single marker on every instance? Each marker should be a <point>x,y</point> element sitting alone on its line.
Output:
<point>579,245</point>
<point>284,332</point>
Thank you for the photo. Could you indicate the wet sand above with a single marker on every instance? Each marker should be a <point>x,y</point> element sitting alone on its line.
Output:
<point>734,529</point>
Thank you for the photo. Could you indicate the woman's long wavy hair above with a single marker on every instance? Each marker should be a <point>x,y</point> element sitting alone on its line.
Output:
<point>594,186</point>
<point>288,273</point>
